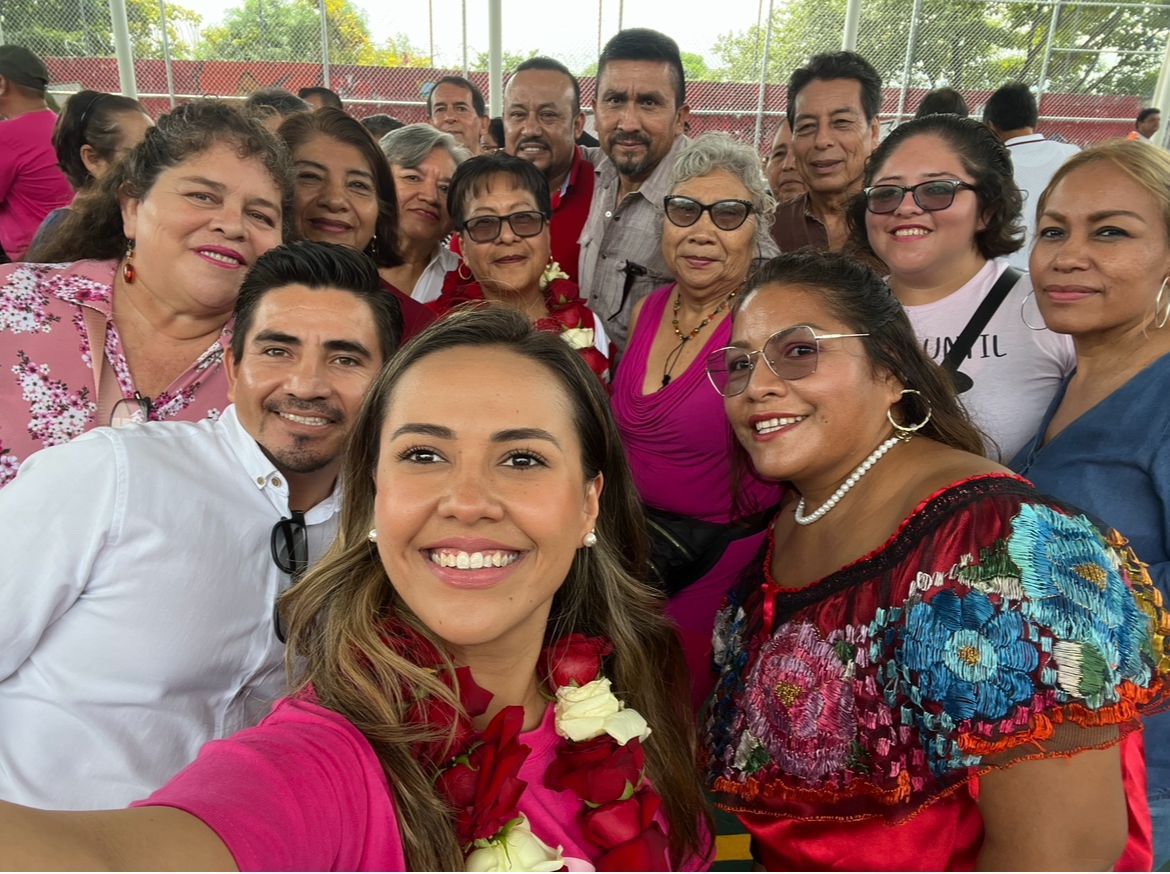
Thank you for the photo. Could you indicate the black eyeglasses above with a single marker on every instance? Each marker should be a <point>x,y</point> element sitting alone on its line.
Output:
<point>131,411</point>
<point>790,354</point>
<point>290,553</point>
<point>485,228</point>
<point>931,196</point>
<point>727,215</point>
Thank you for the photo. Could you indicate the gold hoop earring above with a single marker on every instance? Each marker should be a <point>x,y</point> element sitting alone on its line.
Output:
<point>1024,318</point>
<point>1161,323</point>
<point>905,432</point>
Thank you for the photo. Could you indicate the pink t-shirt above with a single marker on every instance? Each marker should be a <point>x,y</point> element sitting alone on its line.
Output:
<point>48,394</point>
<point>304,790</point>
<point>31,183</point>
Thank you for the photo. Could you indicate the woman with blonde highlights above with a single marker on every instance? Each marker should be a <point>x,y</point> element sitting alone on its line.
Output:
<point>488,558</point>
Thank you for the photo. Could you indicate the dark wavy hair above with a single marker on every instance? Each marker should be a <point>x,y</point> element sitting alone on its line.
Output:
<point>475,175</point>
<point>298,129</point>
<point>983,156</point>
<point>93,226</point>
<point>89,118</point>
<point>838,65</point>
<point>857,297</point>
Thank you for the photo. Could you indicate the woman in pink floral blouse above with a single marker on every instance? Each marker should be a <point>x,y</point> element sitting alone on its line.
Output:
<point>135,326</point>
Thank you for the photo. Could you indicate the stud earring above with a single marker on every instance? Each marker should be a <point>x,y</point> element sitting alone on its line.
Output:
<point>589,540</point>
<point>373,535</point>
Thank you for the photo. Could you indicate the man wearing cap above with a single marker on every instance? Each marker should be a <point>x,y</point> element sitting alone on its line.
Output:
<point>31,183</point>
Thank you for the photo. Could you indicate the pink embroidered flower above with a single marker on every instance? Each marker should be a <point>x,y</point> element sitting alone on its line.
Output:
<point>800,704</point>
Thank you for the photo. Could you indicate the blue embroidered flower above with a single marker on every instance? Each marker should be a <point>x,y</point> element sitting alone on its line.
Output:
<point>972,659</point>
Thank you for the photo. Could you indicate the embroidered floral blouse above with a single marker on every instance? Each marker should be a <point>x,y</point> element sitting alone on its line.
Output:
<point>989,625</point>
<point>48,393</point>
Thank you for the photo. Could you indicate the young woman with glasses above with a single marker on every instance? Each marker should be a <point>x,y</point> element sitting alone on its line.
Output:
<point>501,208</point>
<point>941,210</point>
<point>717,217</point>
<point>933,667</point>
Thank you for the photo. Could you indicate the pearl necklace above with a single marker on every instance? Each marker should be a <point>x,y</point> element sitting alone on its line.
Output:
<point>850,481</point>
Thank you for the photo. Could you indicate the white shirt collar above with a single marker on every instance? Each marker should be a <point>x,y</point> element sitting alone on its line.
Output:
<point>1029,138</point>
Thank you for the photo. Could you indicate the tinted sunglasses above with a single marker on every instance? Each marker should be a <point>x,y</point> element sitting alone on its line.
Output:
<point>290,553</point>
<point>931,196</point>
<point>790,354</point>
<point>727,215</point>
<point>485,228</point>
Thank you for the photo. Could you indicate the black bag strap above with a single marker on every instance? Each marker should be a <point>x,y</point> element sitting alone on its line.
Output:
<point>982,315</point>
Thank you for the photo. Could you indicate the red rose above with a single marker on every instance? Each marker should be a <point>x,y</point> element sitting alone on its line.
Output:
<point>597,362</point>
<point>647,852</point>
<point>438,715</point>
<point>496,762</point>
<point>457,783</point>
<point>620,821</point>
<point>574,659</point>
<point>599,771</point>
<point>474,698</point>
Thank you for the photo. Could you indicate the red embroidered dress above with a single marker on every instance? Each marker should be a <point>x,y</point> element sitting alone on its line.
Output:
<point>852,717</point>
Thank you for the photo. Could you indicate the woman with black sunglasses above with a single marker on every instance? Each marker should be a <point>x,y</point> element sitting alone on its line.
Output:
<point>501,207</point>
<point>717,219</point>
<point>942,211</point>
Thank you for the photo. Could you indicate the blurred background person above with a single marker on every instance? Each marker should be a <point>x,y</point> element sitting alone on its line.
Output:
<point>492,138</point>
<point>344,194</point>
<point>272,106</point>
<point>1147,124</point>
<point>318,95</point>
<point>381,124</point>
<point>1101,269</point>
<point>783,178</point>
<point>456,107</point>
<point>941,211</point>
<point>422,161</point>
<point>31,183</point>
<point>128,320</point>
<point>1013,114</point>
<point>500,207</point>
<point>943,100</point>
<point>92,132</point>
<point>679,446</point>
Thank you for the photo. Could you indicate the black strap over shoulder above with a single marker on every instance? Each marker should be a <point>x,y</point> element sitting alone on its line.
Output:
<point>979,319</point>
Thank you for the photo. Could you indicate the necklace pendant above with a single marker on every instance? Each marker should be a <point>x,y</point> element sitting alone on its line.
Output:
<point>665,380</point>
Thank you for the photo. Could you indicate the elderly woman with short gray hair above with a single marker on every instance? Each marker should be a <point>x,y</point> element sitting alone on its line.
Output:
<point>423,160</point>
<point>716,224</point>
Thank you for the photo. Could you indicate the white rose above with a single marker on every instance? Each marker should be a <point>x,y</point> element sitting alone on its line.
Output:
<point>585,712</point>
<point>578,338</point>
<point>515,849</point>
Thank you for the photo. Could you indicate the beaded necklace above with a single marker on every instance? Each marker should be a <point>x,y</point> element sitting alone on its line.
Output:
<point>683,339</point>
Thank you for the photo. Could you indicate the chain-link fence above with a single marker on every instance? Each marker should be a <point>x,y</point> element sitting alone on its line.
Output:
<point>1094,63</point>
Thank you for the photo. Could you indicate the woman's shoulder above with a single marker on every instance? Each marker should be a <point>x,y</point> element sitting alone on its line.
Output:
<point>77,282</point>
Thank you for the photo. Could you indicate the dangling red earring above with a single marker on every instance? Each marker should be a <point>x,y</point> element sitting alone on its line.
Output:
<point>128,273</point>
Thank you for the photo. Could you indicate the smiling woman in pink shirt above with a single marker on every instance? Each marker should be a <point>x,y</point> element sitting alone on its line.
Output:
<point>130,319</point>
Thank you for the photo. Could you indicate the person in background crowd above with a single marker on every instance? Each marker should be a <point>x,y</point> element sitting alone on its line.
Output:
<point>492,138</point>
<point>943,100</point>
<point>1100,267</point>
<point>833,104</point>
<point>941,211</point>
<point>31,183</point>
<point>380,125</point>
<point>678,444</point>
<point>92,132</point>
<point>1012,114</point>
<point>422,161</point>
<point>784,180</point>
<point>343,193</point>
<point>1147,124</point>
<point>640,107</point>
<point>318,96</point>
<point>198,523</point>
<point>500,207</point>
<point>933,667</point>
<point>272,106</point>
<point>542,119</point>
<point>135,325</point>
<point>490,526</point>
<point>455,106</point>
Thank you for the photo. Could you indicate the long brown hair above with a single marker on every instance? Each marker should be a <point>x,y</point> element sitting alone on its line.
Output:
<point>336,614</point>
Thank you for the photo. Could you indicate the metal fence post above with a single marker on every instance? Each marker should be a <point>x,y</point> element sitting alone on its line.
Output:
<point>852,25</point>
<point>325,78</point>
<point>123,50</point>
<point>495,57</point>
<point>763,80</point>
<point>1162,89</point>
<point>911,42</point>
<point>464,4</point>
<point>166,47</point>
<point>1042,84</point>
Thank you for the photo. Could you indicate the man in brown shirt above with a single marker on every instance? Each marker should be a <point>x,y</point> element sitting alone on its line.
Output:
<point>833,104</point>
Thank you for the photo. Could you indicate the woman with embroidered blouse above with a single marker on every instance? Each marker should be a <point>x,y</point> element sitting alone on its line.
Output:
<point>932,667</point>
<point>501,208</point>
<point>483,681</point>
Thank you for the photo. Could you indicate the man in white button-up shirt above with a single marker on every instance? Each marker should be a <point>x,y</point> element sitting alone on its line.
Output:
<point>139,564</point>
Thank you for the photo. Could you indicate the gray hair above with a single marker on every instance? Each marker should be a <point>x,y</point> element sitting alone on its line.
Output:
<point>714,151</point>
<point>409,146</point>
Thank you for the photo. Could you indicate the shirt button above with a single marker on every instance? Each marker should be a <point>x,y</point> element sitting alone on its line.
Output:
<point>276,482</point>
<point>259,480</point>
<point>609,213</point>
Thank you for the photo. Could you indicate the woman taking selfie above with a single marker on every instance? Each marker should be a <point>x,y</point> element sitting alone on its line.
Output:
<point>486,567</point>
<point>933,667</point>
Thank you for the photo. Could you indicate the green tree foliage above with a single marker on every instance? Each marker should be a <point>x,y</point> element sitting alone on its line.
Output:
<point>73,28</point>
